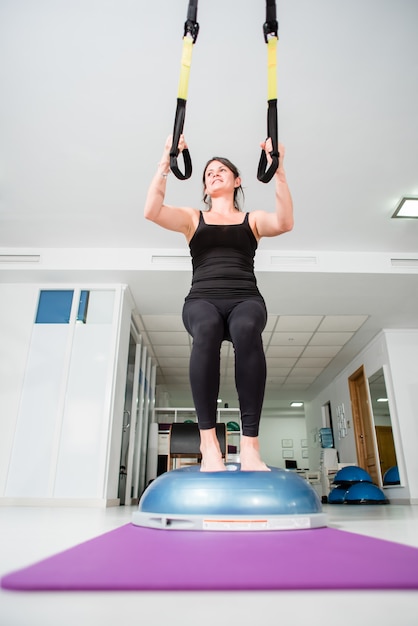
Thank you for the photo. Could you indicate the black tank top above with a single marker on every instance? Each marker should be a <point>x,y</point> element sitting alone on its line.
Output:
<point>223,261</point>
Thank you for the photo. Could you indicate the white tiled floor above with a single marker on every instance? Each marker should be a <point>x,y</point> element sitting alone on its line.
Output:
<point>30,534</point>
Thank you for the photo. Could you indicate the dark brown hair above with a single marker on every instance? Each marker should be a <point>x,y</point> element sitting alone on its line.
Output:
<point>238,191</point>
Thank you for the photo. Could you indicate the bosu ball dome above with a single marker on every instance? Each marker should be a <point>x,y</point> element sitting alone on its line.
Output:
<point>351,474</point>
<point>337,495</point>
<point>355,486</point>
<point>365,493</point>
<point>188,499</point>
<point>391,476</point>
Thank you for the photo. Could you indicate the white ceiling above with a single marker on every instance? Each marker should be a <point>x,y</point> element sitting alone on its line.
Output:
<point>88,97</point>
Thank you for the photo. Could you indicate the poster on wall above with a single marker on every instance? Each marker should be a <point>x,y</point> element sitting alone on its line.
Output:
<point>287,454</point>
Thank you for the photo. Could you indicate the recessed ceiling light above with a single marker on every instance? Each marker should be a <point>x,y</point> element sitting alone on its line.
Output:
<point>296,404</point>
<point>407,207</point>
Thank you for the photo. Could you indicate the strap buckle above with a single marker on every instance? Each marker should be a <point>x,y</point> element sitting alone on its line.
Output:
<point>191,28</point>
<point>270,28</point>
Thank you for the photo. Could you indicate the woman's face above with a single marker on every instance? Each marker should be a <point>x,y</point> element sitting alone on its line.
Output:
<point>219,179</point>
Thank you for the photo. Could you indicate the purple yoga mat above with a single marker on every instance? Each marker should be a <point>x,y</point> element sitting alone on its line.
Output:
<point>136,558</point>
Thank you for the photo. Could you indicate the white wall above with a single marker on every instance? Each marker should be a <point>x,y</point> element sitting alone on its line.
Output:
<point>273,430</point>
<point>396,352</point>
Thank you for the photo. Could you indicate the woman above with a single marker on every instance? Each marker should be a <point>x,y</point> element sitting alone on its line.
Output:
<point>224,301</point>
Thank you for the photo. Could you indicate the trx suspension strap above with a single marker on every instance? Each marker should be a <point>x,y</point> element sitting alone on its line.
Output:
<point>270,28</point>
<point>191,30</point>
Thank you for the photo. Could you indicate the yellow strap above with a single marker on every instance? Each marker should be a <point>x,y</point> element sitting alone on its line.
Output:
<point>272,68</point>
<point>186,61</point>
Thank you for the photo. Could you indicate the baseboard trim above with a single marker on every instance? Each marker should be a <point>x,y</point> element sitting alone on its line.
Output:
<point>61,502</point>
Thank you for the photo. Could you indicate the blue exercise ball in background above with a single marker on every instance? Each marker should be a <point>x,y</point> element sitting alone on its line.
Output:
<point>337,495</point>
<point>391,476</point>
<point>365,493</point>
<point>351,474</point>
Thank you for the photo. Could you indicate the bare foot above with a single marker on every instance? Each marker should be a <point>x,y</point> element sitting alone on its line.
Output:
<point>211,452</point>
<point>250,456</point>
<point>212,464</point>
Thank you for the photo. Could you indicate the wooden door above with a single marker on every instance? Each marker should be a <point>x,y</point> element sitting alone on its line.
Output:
<point>363,425</point>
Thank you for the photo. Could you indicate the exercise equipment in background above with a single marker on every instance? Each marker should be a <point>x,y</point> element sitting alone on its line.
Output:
<point>184,443</point>
<point>391,476</point>
<point>353,485</point>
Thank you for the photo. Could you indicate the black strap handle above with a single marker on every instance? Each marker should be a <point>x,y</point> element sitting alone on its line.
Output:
<point>265,175</point>
<point>174,152</point>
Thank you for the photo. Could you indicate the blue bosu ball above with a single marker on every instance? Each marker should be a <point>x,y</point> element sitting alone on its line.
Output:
<point>187,498</point>
<point>337,495</point>
<point>391,476</point>
<point>351,474</point>
<point>365,493</point>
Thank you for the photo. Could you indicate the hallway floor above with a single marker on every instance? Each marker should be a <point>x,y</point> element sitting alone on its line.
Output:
<point>29,534</point>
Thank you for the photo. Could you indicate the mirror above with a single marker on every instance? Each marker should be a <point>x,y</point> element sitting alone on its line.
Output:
<point>383,428</point>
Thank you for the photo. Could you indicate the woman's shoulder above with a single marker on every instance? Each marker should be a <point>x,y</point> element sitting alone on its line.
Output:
<point>254,218</point>
<point>253,215</point>
<point>195,217</point>
<point>192,214</point>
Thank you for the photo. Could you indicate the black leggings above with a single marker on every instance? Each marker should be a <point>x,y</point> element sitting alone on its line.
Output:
<point>210,322</point>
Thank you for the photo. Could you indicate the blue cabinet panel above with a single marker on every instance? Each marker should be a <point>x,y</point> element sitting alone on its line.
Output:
<point>54,307</point>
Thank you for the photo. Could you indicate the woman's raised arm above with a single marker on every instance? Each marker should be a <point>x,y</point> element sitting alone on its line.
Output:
<point>281,221</point>
<point>179,219</point>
